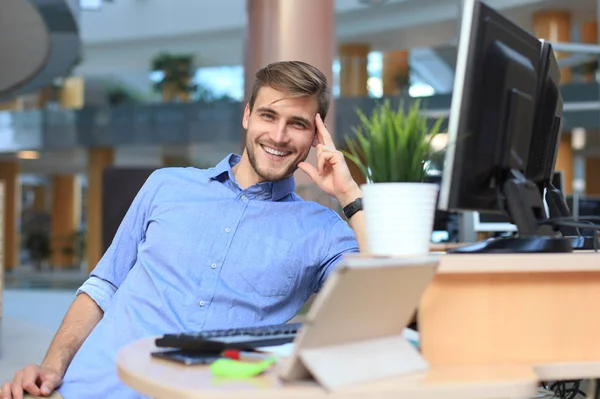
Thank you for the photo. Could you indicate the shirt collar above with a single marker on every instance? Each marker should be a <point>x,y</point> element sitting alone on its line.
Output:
<point>275,190</point>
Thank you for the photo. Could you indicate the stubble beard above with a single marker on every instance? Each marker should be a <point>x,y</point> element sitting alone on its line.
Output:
<point>252,148</point>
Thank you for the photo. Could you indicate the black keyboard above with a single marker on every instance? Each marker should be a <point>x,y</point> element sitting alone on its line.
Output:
<point>216,341</point>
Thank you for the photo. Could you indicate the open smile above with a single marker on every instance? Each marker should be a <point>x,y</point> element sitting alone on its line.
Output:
<point>274,154</point>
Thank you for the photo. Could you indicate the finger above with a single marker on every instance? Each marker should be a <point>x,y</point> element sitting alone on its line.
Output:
<point>6,394</point>
<point>309,170</point>
<point>327,159</point>
<point>323,135</point>
<point>17,385</point>
<point>17,391</point>
<point>30,377</point>
<point>50,381</point>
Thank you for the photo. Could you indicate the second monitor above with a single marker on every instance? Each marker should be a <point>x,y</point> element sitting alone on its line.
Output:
<point>501,72</point>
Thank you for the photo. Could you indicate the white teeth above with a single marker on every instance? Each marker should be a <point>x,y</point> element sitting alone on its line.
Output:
<point>275,152</point>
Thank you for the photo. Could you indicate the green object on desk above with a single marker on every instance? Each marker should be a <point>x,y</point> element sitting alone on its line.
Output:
<point>238,369</point>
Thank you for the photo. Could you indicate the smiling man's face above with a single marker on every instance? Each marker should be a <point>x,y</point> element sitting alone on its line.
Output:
<point>280,132</point>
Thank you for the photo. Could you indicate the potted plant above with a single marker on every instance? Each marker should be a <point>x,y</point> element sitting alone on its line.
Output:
<point>178,71</point>
<point>393,150</point>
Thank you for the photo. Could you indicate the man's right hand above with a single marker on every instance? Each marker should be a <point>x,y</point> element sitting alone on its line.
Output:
<point>34,380</point>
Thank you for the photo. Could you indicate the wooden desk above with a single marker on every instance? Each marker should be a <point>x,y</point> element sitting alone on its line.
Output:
<point>534,309</point>
<point>162,379</point>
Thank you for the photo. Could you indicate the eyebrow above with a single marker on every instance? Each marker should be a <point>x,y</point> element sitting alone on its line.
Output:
<point>293,118</point>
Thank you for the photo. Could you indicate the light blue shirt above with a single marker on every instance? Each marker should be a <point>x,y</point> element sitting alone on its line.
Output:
<point>196,252</point>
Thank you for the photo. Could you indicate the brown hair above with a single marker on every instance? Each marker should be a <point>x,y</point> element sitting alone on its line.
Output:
<point>297,78</point>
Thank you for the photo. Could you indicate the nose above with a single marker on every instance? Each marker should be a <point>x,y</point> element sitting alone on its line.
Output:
<point>279,134</point>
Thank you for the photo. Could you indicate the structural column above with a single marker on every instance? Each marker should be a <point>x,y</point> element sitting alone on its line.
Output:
<point>589,35</point>
<point>65,218</point>
<point>275,33</point>
<point>39,198</point>
<point>354,75</point>
<point>98,160</point>
<point>395,72</point>
<point>9,174</point>
<point>72,93</point>
<point>554,26</point>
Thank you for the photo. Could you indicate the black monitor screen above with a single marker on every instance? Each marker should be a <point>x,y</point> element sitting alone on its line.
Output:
<point>492,111</point>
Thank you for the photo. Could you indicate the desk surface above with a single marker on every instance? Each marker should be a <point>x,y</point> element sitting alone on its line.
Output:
<point>163,379</point>
<point>580,261</point>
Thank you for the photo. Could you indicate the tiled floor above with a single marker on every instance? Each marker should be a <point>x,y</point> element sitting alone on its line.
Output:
<point>31,317</point>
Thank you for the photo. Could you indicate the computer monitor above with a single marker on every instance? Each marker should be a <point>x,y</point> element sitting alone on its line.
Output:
<point>547,126</point>
<point>586,206</point>
<point>498,223</point>
<point>545,143</point>
<point>492,116</point>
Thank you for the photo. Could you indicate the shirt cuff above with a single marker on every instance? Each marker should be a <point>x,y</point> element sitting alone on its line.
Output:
<point>101,291</point>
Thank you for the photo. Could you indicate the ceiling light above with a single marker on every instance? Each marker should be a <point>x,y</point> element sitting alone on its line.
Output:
<point>28,155</point>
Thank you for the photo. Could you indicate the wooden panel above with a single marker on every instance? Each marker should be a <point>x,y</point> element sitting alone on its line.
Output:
<point>395,68</point>
<point>72,93</point>
<point>353,69</point>
<point>589,34</point>
<point>66,215</point>
<point>9,173</point>
<point>98,160</point>
<point>515,317</point>
<point>592,176</point>
<point>555,26</point>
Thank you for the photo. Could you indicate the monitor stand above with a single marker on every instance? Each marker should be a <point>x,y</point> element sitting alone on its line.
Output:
<point>524,205</point>
<point>558,208</point>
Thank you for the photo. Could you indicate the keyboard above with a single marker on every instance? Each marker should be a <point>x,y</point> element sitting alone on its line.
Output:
<point>246,338</point>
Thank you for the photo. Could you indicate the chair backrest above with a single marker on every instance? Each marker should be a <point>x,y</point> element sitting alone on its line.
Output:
<point>119,188</point>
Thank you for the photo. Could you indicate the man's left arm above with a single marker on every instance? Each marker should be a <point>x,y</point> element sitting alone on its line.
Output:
<point>333,176</point>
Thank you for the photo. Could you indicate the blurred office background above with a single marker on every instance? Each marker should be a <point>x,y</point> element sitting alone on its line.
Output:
<point>88,86</point>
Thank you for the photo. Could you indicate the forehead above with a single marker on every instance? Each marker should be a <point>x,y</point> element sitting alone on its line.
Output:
<point>285,102</point>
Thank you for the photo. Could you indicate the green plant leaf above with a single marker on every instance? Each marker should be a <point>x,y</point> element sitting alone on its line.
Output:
<point>392,145</point>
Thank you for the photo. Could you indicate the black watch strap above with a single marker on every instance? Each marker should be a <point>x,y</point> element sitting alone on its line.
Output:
<point>352,208</point>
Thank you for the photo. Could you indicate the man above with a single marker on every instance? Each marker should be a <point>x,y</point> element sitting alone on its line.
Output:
<point>225,247</point>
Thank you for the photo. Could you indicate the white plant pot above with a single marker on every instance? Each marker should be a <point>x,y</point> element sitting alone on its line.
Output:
<point>399,217</point>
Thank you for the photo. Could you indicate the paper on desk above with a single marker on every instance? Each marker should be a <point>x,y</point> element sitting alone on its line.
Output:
<point>286,349</point>
<point>278,350</point>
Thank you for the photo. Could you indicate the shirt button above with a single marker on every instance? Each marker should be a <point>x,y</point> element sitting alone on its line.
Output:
<point>201,303</point>
<point>243,197</point>
<point>227,230</point>
<point>214,265</point>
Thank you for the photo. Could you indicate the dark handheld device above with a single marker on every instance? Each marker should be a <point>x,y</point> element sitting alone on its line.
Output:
<point>186,357</point>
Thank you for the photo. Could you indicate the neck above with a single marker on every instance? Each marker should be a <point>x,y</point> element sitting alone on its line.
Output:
<point>244,173</point>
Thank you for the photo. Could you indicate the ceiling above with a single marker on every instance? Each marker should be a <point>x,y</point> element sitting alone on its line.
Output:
<point>124,35</point>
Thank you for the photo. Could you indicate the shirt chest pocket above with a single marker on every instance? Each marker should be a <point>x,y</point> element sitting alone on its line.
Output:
<point>273,268</point>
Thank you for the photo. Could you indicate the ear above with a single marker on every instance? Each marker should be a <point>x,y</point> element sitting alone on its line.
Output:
<point>315,142</point>
<point>246,116</point>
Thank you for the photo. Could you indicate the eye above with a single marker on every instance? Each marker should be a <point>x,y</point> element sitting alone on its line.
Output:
<point>267,116</point>
<point>300,125</point>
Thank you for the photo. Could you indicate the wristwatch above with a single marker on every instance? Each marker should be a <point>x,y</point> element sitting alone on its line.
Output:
<point>352,208</point>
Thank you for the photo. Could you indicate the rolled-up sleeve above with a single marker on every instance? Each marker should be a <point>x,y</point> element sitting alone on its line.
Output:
<point>121,255</point>
<point>101,291</point>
